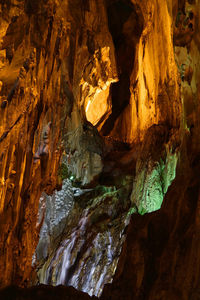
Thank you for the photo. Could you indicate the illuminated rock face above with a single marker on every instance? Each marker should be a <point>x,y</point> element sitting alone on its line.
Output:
<point>86,253</point>
<point>105,93</point>
<point>154,171</point>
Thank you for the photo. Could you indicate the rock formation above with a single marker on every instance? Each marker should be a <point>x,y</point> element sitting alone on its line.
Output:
<point>99,148</point>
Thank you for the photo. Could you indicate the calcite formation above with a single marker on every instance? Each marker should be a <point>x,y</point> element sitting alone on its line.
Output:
<point>99,124</point>
<point>86,253</point>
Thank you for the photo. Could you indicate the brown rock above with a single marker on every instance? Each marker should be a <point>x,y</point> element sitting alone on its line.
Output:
<point>107,65</point>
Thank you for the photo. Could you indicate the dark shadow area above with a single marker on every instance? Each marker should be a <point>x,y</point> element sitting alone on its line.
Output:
<point>42,292</point>
<point>125,27</point>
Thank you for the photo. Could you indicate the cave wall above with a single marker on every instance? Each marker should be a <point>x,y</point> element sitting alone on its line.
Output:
<point>47,48</point>
<point>153,80</point>
<point>160,258</point>
<point>27,135</point>
<point>131,68</point>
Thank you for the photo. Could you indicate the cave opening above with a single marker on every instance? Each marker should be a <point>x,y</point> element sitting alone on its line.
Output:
<point>125,27</point>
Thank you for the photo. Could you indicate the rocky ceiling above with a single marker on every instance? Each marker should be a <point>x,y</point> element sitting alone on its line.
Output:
<point>100,149</point>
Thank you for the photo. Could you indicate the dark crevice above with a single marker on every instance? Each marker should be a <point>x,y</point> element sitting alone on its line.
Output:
<point>125,28</point>
<point>50,27</point>
<point>4,135</point>
<point>31,7</point>
<point>6,4</point>
<point>90,42</point>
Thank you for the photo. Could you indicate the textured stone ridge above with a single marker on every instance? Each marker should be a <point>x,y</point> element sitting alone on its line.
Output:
<point>161,255</point>
<point>29,128</point>
<point>154,171</point>
<point>87,250</point>
<point>53,211</point>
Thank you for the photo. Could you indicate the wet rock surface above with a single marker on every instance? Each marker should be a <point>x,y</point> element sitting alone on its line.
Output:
<point>53,211</point>
<point>87,252</point>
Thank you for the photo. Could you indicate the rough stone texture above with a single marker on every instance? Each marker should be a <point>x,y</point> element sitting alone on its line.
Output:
<point>29,159</point>
<point>155,169</point>
<point>84,148</point>
<point>45,50</point>
<point>160,258</point>
<point>161,255</point>
<point>132,69</point>
<point>53,211</point>
<point>87,252</point>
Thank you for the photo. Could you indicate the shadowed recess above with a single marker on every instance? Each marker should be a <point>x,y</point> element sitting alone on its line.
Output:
<point>125,27</point>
